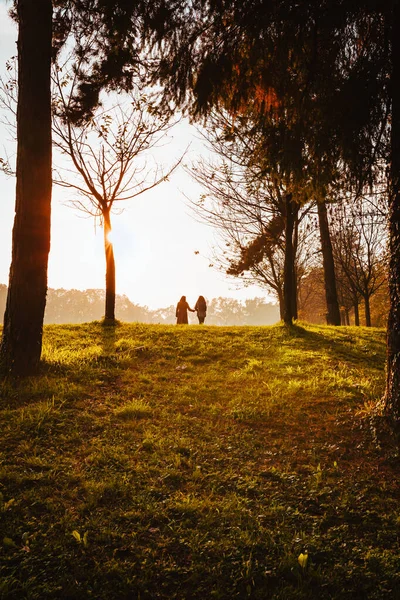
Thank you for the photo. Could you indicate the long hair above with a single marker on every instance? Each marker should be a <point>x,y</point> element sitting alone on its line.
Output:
<point>201,302</point>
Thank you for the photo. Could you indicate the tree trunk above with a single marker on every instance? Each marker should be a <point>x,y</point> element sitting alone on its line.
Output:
<point>23,320</point>
<point>281,305</point>
<point>295,210</point>
<point>367,311</point>
<point>344,317</point>
<point>332,304</point>
<point>356,314</point>
<point>110,270</point>
<point>392,393</point>
<point>288,272</point>
<point>278,286</point>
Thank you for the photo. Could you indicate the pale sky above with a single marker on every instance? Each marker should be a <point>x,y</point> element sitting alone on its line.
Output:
<point>155,238</point>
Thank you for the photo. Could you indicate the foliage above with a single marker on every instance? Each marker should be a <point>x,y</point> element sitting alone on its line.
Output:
<point>316,75</point>
<point>108,39</point>
<point>360,251</point>
<point>112,155</point>
<point>253,474</point>
<point>244,201</point>
<point>312,305</point>
<point>77,306</point>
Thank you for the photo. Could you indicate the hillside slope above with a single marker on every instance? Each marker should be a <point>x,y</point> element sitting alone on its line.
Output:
<point>162,462</point>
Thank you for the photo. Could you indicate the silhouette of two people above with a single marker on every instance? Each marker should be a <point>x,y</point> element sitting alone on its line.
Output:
<point>183,307</point>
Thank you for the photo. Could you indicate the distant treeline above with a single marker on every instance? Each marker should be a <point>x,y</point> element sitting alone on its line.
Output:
<point>76,306</point>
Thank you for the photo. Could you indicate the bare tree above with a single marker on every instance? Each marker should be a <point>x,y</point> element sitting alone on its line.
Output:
<point>312,305</point>
<point>111,158</point>
<point>359,243</point>
<point>253,182</point>
<point>250,226</point>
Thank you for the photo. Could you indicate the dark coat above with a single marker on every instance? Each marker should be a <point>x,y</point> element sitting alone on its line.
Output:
<point>182,313</point>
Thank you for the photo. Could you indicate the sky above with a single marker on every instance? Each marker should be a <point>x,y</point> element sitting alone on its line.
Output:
<point>161,249</point>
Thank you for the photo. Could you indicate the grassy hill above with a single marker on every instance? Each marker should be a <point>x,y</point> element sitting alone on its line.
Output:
<point>162,462</point>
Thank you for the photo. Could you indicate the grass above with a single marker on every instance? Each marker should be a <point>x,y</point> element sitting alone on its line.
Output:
<point>160,462</point>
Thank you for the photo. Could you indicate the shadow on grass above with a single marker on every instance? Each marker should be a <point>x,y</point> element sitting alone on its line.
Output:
<point>101,358</point>
<point>341,343</point>
<point>70,378</point>
<point>108,336</point>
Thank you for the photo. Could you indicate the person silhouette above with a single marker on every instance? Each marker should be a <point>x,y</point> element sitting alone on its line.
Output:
<point>201,309</point>
<point>182,311</point>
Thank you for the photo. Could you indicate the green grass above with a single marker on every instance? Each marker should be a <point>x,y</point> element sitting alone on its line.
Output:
<point>161,462</point>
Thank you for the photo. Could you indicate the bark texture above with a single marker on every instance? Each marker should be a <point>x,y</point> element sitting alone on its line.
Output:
<point>392,393</point>
<point>110,270</point>
<point>289,287</point>
<point>332,304</point>
<point>367,305</point>
<point>356,314</point>
<point>23,320</point>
